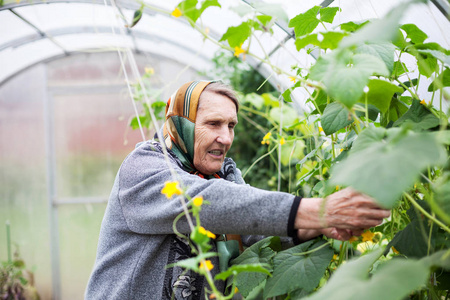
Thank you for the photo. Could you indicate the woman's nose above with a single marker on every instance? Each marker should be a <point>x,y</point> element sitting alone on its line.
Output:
<point>225,137</point>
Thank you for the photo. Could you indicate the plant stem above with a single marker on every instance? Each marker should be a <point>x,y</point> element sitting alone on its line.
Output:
<point>313,250</point>
<point>256,161</point>
<point>8,241</point>
<point>425,213</point>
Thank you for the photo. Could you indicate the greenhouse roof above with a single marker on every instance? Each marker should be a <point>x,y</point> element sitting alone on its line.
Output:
<point>37,31</point>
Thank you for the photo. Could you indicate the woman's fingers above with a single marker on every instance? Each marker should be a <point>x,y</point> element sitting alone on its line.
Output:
<point>348,209</point>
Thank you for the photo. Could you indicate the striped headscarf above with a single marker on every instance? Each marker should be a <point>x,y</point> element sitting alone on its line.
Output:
<point>179,127</point>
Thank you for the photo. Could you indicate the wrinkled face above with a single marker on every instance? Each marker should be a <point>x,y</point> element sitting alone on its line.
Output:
<point>214,131</point>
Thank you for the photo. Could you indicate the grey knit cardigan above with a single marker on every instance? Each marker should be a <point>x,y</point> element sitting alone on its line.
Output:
<point>137,240</point>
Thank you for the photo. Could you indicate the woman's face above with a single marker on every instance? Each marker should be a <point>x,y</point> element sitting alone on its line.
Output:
<point>214,131</point>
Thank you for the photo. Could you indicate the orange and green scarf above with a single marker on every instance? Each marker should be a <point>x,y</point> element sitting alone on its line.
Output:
<point>179,127</point>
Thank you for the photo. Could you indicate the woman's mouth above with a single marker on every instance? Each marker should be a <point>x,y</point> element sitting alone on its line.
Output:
<point>216,153</point>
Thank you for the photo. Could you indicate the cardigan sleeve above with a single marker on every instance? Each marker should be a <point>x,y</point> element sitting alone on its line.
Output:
<point>233,208</point>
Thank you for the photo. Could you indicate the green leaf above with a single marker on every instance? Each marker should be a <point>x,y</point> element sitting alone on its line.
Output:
<point>292,270</point>
<point>399,69</point>
<point>412,241</point>
<point>258,253</point>
<point>418,117</point>
<point>144,122</point>
<point>382,50</point>
<point>306,22</point>
<point>237,35</point>
<point>287,93</point>
<point>396,110</point>
<point>265,20</point>
<point>270,100</point>
<point>192,263</point>
<point>393,280</point>
<point>427,64</point>
<point>335,117</point>
<point>237,269</point>
<point>413,32</point>
<point>441,203</point>
<point>286,114</point>
<point>397,163</point>
<point>439,259</point>
<point>384,29</point>
<point>274,10</point>
<point>442,81</point>
<point>445,58</point>
<point>345,76</point>
<point>330,40</point>
<point>367,138</point>
<point>380,93</point>
<point>190,10</point>
<point>288,152</point>
<point>254,99</point>
<point>327,14</point>
<point>352,26</point>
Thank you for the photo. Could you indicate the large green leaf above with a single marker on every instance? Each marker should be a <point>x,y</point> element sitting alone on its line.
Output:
<point>413,32</point>
<point>388,167</point>
<point>445,58</point>
<point>258,253</point>
<point>442,81</point>
<point>393,280</point>
<point>418,117</point>
<point>191,9</point>
<point>412,241</point>
<point>286,115</point>
<point>327,14</point>
<point>237,269</point>
<point>306,22</point>
<point>382,50</point>
<point>329,40</point>
<point>335,117</point>
<point>384,29</point>
<point>441,204</point>
<point>293,270</point>
<point>345,76</point>
<point>237,35</point>
<point>380,93</point>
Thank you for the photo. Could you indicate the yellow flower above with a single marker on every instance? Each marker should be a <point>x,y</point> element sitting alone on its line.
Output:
<point>266,139</point>
<point>292,78</point>
<point>171,188</point>
<point>198,201</point>
<point>208,233</point>
<point>202,230</point>
<point>238,51</point>
<point>176,13</point>
<point>363,247</point>
<point>335,257</point>
<point>207,265</point>
<point>236,290</point>
<point>423,102</point>
<point>150,71</point>
<point>353,239</point>
<point>337,188</point>
<point>212,296</point>
<point>320,129</point>
<point>282,141</point>
<point>367,236</point>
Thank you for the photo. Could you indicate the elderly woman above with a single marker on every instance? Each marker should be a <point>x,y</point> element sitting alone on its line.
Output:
<point>137,239</point>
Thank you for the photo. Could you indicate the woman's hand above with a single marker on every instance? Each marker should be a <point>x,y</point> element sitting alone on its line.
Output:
<point>346,209</point>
